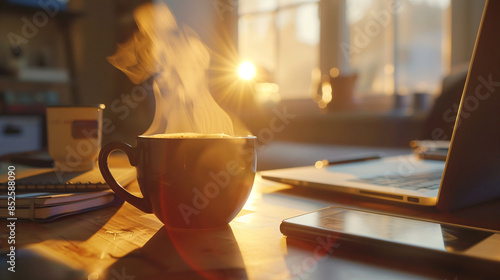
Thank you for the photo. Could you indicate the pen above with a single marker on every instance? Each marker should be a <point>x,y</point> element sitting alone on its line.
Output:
<point>358,158</point>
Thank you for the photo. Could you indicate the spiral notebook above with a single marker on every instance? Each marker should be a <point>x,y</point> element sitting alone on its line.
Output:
<point>37,179</point>
<point>45,195</point>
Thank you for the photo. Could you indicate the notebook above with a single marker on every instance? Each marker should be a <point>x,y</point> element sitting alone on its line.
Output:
<point>471,172</point>
<point>45,194</point>
<point>50,206</point>
<point>47,179</point>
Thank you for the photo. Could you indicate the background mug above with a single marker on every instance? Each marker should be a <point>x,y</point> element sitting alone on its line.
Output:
<point>74,136</point>
<point>188,180</point>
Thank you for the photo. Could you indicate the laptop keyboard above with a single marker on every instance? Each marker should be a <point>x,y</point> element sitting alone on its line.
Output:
<point>417,182</point>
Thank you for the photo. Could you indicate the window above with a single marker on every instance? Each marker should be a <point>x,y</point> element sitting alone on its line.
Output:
<point>282,39</point>
<point>398,45</point>
<point>393,45</point>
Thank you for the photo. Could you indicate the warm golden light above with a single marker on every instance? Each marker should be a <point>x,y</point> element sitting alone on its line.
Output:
<point>326,92</point>
<point>334,72</point>
<point>389,69</point>
<point>267,92</point>
<point>320,164</point>
<point>326,89</point>
<point>246,71</point>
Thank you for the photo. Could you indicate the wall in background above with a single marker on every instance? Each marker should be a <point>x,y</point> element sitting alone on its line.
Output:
<point>465,20</point>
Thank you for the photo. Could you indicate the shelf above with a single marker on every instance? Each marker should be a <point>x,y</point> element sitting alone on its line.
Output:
<point>13,83</point>
<point>10,7</point>
<point>36,80</point>
<point>35,88</point>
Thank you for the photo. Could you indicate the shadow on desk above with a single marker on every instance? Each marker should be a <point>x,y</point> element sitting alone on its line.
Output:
<point>183,254</point>
<point>31,260</point>
<point>78,227</point>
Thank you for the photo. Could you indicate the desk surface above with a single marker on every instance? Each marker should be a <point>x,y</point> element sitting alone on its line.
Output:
<point>121,242</point>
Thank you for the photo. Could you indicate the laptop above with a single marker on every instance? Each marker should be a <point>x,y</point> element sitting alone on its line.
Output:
<point>471,172</point>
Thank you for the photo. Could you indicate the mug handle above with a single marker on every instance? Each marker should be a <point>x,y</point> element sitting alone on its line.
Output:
<point>140,203</point>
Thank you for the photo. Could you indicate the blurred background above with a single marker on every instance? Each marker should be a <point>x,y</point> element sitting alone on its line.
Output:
<point>347,72</point>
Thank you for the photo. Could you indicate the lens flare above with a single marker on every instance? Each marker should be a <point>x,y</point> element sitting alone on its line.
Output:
<point>246,71</point>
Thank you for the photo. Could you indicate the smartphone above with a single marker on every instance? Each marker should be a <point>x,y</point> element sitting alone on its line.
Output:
<point>399,236</point>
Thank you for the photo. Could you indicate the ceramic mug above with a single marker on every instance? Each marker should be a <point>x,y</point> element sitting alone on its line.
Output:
<point>188,180</point>
<point>74,136</point>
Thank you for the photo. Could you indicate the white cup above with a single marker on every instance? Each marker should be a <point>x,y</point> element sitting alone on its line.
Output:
<point>74,136</point>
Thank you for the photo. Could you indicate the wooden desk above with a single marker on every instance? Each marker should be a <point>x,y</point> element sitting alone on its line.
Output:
<point>121,242</point>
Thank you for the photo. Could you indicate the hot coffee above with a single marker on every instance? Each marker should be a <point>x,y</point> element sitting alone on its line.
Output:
<point>188,180</point>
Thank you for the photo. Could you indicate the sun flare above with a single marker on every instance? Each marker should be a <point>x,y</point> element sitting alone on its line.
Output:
<point>246,71</point>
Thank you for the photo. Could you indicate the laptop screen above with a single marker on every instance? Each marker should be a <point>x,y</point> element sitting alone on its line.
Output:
<point>472,172</point>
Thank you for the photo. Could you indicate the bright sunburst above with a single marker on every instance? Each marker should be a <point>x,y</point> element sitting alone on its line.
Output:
<point>246,71</point>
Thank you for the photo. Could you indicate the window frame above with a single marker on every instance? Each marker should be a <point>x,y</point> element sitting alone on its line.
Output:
<point>334,30</point>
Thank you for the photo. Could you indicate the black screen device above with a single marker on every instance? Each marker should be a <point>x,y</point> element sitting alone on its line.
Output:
<point>400,237</point>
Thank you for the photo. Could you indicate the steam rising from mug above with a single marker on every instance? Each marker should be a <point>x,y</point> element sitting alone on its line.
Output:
<point>178,60</point>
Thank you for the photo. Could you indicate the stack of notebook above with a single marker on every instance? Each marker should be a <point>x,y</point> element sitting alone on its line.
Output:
<point>44,194</point>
